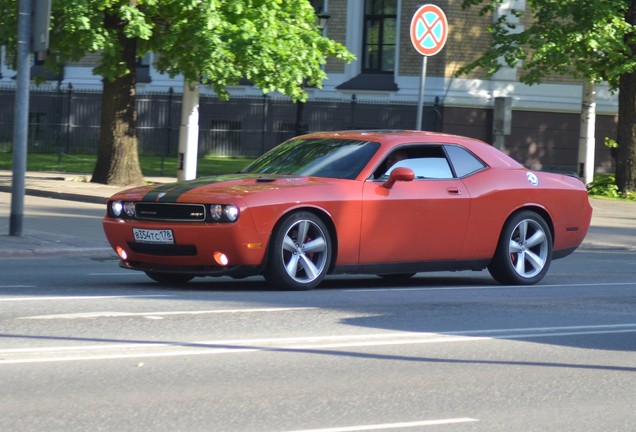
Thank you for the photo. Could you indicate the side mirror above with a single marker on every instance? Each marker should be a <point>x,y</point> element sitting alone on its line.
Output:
<point>399,174</point>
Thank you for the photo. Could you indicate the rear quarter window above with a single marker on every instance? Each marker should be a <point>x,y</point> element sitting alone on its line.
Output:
<point>464,162</point>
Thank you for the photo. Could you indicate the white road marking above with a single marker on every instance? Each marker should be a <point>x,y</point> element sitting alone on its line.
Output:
<point>239,346</point>
<point>392,425</point>
<point>88,297</point>
<point>154,314</point>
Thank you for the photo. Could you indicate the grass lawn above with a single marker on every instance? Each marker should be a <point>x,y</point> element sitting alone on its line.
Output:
<point>151,166</point>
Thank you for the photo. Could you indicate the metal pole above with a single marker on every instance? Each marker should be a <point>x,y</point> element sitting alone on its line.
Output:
<point>21,121</point>
<point>420,99</point>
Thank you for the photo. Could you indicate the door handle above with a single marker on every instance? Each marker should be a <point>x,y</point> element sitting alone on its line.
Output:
<point>453,191</point>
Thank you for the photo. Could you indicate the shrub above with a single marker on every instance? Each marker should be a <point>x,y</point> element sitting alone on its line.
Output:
<point>604,185</point>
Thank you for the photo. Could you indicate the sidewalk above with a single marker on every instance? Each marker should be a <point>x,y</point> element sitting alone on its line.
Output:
<point>71,225</point>
<point>613,222</point>
<point>72,187</point>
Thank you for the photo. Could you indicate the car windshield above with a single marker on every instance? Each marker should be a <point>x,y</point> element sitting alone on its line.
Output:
<point>328,157</point>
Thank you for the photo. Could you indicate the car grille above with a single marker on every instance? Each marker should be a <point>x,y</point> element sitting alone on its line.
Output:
<point>170,212</point>
<point>163,249</point>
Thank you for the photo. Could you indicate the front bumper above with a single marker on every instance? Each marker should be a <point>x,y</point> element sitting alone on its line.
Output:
<point>215,270</point>
<point>194,248</point>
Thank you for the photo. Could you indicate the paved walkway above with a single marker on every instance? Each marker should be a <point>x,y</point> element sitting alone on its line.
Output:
<point>613,222</point>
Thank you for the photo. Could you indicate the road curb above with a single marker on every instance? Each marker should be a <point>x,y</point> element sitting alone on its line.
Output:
<point>605,247</point>
<point>92,199</point>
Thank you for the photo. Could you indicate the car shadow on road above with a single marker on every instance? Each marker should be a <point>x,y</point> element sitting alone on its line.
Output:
<point>340,282</point>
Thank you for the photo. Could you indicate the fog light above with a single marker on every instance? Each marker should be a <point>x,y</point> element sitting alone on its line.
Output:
<point>122,253</point>
<point>221,259</point>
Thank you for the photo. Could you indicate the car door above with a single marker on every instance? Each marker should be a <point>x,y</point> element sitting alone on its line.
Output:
<point>420,220</point>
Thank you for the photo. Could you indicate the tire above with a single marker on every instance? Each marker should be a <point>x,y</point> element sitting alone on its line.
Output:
<point>299,253</point>
<point>524,251</point>
<point>169,278</point>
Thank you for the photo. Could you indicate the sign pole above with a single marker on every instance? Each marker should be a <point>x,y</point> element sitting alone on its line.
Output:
<point>420,99</point>
<point>428,31</point>
<point>21,121</point>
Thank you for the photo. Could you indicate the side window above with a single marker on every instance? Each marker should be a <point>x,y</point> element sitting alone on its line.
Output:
<point>427,162</point>
<point>429,167</point>
<point>464,162</point>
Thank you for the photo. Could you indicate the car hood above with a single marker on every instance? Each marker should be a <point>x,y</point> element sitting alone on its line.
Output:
<point>219,188</point>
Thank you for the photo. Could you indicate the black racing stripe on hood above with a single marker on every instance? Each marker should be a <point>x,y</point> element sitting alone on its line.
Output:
<point>172,191</point>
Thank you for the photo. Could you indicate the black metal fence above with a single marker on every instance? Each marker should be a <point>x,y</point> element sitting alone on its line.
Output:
<point>67,121</point>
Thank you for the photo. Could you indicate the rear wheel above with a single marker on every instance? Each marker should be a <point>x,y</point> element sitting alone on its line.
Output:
<point>524,252</point>
<point>300,252</point>
<point>169,278</point>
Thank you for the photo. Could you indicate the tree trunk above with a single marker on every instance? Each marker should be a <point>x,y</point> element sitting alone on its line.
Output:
<point>117,157</point>
<point>587,132</point>
<point>189,132</point>
<point>626,152</point>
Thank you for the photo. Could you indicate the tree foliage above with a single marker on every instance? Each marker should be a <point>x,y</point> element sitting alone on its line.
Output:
<point>581,38</point>
<point>587,39</point>
<point>275,44</point>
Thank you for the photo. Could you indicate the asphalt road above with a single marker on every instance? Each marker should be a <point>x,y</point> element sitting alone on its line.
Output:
<point>85,345</point>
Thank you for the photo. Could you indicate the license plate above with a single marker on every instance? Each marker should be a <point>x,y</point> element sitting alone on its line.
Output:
<point>153,236</point>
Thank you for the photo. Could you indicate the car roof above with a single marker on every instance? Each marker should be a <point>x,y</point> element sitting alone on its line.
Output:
<point>389,139</point>
<point>379,135</point>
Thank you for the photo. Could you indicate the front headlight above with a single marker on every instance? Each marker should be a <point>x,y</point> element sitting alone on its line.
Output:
<point>216,212</point>
<point>129,208</point>
<point>224,212</point>
<point>121,209</point>
<point>231,212</point>
<point>116,207</point>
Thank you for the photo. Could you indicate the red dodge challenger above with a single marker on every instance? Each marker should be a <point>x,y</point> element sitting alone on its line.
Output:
<point>391,203</point>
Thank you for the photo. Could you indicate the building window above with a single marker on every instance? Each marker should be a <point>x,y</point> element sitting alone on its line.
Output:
<point>319,5</point>
<point>39,71</point>
<point>379,39</point>
<point>143,69</point>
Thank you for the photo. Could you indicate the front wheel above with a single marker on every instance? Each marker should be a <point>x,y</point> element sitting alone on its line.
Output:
<point>300,252</point>
<point>524,251</point>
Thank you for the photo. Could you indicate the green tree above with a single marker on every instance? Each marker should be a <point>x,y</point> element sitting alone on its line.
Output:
<point>275,44</point>
<point>593,40</point>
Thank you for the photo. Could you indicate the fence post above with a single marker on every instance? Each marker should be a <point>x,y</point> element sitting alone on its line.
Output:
<point>301,127</point>
<point>354,100</point>
<point>60,130</point>
<point>265,119</point>
<point>69,118</point>
<point>169,127</point>
<point>438,115</point>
